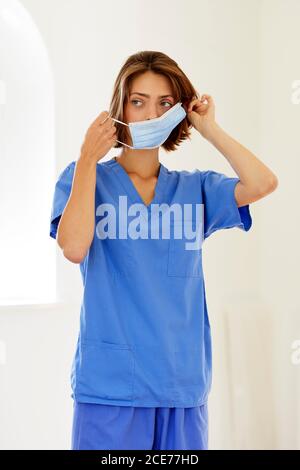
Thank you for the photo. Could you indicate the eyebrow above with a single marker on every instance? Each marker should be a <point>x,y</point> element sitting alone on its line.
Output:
<point>148,96</point>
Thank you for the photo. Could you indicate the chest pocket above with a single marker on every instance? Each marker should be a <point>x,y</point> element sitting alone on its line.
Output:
<point>183,261</point>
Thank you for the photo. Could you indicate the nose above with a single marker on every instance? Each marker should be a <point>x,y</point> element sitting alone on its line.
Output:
<point>153,112</point>
<point>153,116</point>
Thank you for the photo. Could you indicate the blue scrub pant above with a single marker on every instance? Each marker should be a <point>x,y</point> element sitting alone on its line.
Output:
<point>97,426</point>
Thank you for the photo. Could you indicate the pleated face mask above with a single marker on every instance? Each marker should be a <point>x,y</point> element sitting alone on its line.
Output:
<point>152,133</point>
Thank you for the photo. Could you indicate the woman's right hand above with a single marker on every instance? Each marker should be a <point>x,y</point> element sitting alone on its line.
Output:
<point>100,138</point>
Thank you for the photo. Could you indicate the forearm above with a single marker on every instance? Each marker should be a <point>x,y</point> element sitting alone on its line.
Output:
<point>253,173</point>
<point>77,223</point>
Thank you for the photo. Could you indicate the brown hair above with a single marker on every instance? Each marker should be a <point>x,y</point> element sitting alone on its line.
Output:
<point>160,63</point>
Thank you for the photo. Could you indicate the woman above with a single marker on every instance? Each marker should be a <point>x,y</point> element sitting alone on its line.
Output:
<point>141,373</point>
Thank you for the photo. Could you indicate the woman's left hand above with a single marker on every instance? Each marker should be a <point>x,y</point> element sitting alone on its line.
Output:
<point>201,114</point>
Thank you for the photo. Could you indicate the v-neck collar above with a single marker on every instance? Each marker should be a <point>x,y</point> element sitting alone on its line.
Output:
<point>131,190</point>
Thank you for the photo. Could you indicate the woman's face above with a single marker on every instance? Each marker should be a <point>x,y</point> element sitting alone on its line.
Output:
<point>159,99</point>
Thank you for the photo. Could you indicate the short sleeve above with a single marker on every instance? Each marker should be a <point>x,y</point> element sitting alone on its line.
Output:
<point>220,207</point>
<point>61,195</point>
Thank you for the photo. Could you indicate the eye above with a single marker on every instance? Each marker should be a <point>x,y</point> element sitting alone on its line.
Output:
<point>139,101</point>
<point>135,101</point>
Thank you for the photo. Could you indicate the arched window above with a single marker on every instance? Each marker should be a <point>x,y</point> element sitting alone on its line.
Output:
<point>27,160</point>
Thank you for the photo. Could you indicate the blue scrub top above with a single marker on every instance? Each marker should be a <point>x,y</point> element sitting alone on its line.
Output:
<point>144,337</point>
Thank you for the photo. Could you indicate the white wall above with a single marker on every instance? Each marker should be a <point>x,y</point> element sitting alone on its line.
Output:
<point>279,254</point>
<point>229,49</point>
<point>36,408</point>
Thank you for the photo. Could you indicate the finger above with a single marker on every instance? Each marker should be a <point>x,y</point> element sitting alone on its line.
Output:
<point>103,117</point>
<point>191,105</point>
<point>105,120</point>
<point>197,101</point>
<point>97,122</point>
<point>110,130</point>
<point>107,124</point>
<point>207,98</point>
<point>197,105</point>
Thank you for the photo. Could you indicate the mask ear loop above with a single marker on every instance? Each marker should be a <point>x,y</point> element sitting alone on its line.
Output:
<point>124,123</point>
<point>123,143</point>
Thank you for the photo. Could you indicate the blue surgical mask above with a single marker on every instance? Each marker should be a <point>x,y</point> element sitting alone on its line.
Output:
<point>152,133</point>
